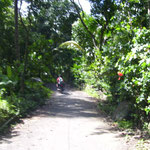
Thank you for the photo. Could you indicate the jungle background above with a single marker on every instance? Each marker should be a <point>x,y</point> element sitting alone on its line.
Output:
<point>107,50</point>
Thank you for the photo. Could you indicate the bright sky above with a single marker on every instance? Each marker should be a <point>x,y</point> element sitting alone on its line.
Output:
<point>85,5</point>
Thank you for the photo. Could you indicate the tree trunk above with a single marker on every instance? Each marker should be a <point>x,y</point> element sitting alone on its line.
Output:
<point>16,30</point>
<point>23,75</point>
<point>149,13</point>
<point>102,36</point>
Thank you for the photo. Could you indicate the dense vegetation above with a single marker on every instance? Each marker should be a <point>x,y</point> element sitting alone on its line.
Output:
<point>29,57</point>
<point>116,60</point>
<point>113,40</point>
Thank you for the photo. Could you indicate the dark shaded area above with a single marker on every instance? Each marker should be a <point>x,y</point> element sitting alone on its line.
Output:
<point>51,86</point>
<point>9,136</point>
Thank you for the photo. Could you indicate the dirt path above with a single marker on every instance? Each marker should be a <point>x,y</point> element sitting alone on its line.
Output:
<point>68,122</point>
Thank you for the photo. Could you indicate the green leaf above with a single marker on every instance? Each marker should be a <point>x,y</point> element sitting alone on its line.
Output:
<point>134,1</point>
<point>147,110</point>
<point>148,99</point>
<point>128,27</point>
<point>6,82</point>
<point>72,43</point>
<point>39,57</point>
<point>143,65</point>
<point>9,72</point>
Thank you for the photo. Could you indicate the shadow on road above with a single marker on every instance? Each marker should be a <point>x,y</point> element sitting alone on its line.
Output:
<point>9,136</point>
<point>67,107</point>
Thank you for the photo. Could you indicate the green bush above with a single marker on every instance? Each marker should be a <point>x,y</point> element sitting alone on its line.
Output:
<point>136,68</point>
<point>126,51</point>
<point>125,124</point>
<point>14,104</point>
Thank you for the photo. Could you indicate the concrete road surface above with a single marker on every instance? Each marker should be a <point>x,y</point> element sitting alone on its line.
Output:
<point>68,121</point>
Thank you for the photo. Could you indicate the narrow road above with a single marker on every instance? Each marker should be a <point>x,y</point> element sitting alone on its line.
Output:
<point>68,121</point>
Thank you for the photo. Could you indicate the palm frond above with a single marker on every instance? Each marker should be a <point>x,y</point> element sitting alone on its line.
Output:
<point>72,44</point>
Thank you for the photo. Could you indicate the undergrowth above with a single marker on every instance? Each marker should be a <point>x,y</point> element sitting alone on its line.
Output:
<point>13,106</point>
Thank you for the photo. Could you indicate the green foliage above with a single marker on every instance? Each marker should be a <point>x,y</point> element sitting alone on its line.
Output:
<point>15,105</point>
<point>6,109</point>
<point>122,44</point>
<point>45,26</point>
<point>6,83</point>
<point>107,108</point>
<point>9,72</point>
<point>36,91</point>
<point>82,36</point>
<point>124,124</point>
<point>91,91</point>
<point>125,49</point>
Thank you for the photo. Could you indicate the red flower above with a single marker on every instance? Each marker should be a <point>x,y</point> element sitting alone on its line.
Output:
<point>119,78</point>
<point>120,74</point>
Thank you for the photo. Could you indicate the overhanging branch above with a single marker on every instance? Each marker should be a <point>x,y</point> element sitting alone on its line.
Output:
<point>83,23</point>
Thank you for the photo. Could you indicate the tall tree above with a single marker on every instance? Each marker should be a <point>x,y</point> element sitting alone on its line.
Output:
<point>16,30</point>
<point>103,11</point>
<point>149,12</point>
